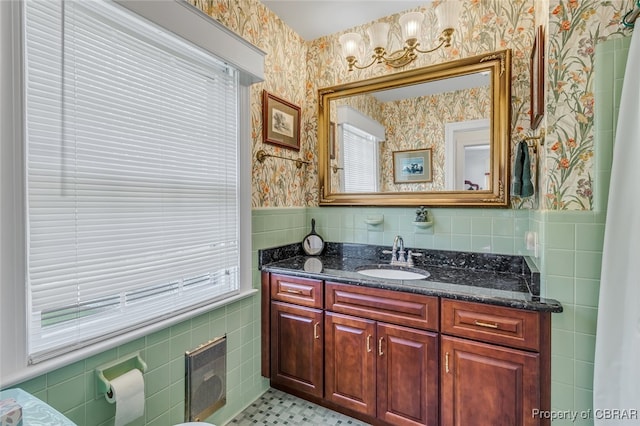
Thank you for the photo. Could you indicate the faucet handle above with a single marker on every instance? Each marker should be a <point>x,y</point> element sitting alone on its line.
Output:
<point>394,255</point>
<point>410,256</point>
<point>402,256</point>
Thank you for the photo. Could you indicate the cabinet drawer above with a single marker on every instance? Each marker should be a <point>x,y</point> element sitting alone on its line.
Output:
<point>301,291</point>
<point>395,307</point>
<point>494,324</point>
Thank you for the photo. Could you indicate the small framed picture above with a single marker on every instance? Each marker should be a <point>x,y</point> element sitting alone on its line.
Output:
<point>536,68</point>
<point>412,166</point>
<point>280,122</point>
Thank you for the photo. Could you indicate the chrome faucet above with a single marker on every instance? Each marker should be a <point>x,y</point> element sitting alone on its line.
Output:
<point>398,242</point>
<point>397,251</point>
<point>398,255</point>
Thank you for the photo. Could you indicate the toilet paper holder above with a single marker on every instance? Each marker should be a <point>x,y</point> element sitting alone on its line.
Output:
<point>108,372</point>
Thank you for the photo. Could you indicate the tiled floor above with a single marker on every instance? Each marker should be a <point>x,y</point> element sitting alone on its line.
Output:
<point>279,408</point>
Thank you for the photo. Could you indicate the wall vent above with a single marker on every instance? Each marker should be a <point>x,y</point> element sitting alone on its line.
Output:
<point>206,379</point>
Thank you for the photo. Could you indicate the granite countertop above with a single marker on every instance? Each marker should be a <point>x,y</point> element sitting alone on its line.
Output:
<point>504,280</point>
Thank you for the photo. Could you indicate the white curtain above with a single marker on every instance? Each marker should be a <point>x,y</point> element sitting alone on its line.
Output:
<point>617,357</point>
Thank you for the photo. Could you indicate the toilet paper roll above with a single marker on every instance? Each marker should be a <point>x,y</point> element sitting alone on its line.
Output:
<point>128,395</point>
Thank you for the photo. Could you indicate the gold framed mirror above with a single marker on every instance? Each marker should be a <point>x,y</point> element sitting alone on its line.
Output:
<point>434,136</point>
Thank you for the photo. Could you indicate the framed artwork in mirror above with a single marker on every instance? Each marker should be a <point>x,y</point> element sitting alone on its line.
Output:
<point>536,69</point>
<point>280,122</point>
<point>412,166</point>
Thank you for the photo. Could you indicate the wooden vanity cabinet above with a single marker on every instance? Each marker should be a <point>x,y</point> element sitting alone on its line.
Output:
<point>350,362</point>
<point>296,334</point>
<point>382,370</point>
<point>397,358</point>
<point>374,365</point>
<point>297,348</point>
<point>495,364</point>
<point>407,375</point>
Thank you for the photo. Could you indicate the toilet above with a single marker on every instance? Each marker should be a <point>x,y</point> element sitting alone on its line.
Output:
<point>195,424</point>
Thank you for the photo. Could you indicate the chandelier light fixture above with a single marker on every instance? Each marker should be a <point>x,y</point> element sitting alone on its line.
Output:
<point>411,24</point>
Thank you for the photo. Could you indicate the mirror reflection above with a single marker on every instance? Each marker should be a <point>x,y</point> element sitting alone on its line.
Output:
<point>435,116</point>
<point>444,130</point>
<point>467,155</point>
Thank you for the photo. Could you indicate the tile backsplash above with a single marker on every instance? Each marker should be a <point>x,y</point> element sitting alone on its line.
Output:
<point>499,231</point>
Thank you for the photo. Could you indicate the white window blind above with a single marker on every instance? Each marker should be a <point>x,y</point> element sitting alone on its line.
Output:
<point>361,155</point>
<point>132,175</point>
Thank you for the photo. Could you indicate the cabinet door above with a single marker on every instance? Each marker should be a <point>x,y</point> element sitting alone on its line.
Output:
<point>484,384</point>
<point>350,362</point>
<point>297,347</point>
<point>407,376</point>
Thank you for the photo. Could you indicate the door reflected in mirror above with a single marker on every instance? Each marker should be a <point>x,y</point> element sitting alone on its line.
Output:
<point>468,155</point>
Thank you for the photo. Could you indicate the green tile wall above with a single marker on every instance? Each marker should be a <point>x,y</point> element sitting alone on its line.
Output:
<point>481,230</point>
<point>571,252</point>
<point>610,62</point>
<point>571,274</point>
<point>71,390</point>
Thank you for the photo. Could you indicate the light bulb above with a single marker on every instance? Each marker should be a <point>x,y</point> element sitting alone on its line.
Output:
<point>350,44</point>
<point>448,13</point>
<point>411,24</point>
<point>378,34</point>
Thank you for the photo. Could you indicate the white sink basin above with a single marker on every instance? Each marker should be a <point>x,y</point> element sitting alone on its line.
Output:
<point>394,273</point>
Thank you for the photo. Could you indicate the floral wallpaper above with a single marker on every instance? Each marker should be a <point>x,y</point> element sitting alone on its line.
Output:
<point>296,69</point>
<point>574,29</point>
<point>276,182</point>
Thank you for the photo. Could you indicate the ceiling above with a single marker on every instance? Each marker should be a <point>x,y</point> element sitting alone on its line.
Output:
<point>312,19</point>
<point>449,84</point>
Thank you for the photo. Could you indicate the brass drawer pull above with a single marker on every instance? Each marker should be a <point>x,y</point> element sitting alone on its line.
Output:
<point>380,346</point>
<point>446,362</point>
<point>369,343</point>
<point>485,324</point>
<point>315,330</point>
<point>290,290</point>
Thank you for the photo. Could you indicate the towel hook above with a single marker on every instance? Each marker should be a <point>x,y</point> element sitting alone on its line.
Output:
<point>538,140</point>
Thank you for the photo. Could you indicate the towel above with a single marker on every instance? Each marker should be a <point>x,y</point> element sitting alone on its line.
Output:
<point>521,183</point>
<point>527,185</point>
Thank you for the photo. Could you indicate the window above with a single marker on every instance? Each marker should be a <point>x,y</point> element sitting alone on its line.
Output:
<point>359,135</point>
<point>361,154</point>
<point>133,172</point>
